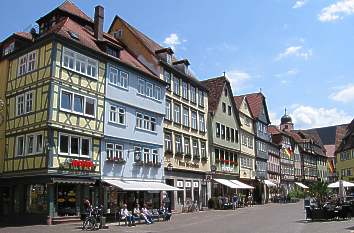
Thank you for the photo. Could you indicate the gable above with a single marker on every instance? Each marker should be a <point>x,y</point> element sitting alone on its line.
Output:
<point>263,115</point>
<point>244,108</point>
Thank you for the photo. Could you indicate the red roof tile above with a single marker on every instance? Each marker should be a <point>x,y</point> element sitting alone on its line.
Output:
<point>25,35</point>
<point>272,129</point>
<point>238,101</point>
<point>215,87</point>
<point>71,8</point>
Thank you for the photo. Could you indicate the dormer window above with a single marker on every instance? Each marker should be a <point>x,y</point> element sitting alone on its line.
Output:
<point>112,52</point>
<point>73,35</point>
<point>169,58</point>
<point>9,49</point>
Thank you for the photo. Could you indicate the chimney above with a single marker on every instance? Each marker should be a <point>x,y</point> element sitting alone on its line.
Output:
<point>99,17</point>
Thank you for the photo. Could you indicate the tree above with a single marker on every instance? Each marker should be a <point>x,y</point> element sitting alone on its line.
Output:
<point>319,190</point>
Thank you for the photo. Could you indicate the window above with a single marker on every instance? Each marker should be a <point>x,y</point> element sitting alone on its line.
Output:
<point>229,110</point>
<point>186,117</point>
<point>168,113</point>
<point>155,156</point>
<point>24,103</point>
<point>167,77</point>
<point>118,78</point>
<point>232,135</point>
<point>178,143</point>
<point>185,90</point>
<point>146,155</point>
<point>176,86</point>
<point>27,63</point>
<point>31,61</point>
<point>222,131</point>
<point>145,122</point>
<point>194,120</point>
<point>141,87</point>
<point>39,143</point>
<point>168,142</point>
<point>110,151</point>
<point>225,91</point>
<point>80,63</point>
<point>177,110</point>
<point>78,104</point>
<point>201,122</point>
<point>223,107</point>
<point>187,146</point>
<point>157,93</point>
<point>9,49</point>
<point>201,98</point>
<point>227,133</point>
<point>169,58</point>
<point>193,94</point>
<point>34,143</point>
<point>195,147</point>
<point>20,145</point>
<point>218,130</point>
<point>73,145</point>
<point>137,153</point>
<point>203,149</point>
<point>149,90</point>
<point>247,121</point>
<point>117,115</point>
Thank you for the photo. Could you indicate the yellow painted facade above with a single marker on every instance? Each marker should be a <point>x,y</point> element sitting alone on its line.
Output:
<point>4,68</point>
<point>345,165</point>
<point>37,82</point>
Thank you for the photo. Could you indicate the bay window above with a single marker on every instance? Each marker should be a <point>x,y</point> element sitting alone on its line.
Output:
<point>80,63</point>
<point>73,145</point>
<point>78,104</point>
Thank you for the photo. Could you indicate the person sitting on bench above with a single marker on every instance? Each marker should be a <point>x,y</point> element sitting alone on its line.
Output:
<point>126,215</point>
<point>138,214</point>
<point>164,212</point>
<point>147,214</point>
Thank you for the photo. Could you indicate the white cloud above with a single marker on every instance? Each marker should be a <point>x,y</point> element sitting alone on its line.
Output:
<point>290,72</point>
<point>274,119</point>
<point>344,95</point>
<point>297,51</point>
<point>310,117</point>
<point>173,41</point>
<point>336,11</point>
<point>238,79</point>
<point>299,4</point>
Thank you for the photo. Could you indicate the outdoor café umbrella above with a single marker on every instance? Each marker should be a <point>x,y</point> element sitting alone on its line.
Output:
<point>337,184</point>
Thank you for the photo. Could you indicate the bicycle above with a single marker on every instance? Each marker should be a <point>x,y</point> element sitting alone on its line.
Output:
<point>93,220</point>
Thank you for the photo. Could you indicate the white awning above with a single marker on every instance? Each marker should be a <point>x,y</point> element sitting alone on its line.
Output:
<point>301,185</point>
<point>337,184</point>
<point>269,183</point>
<point>227,183</point>
<point>241,185</point>
<point>130,185</point>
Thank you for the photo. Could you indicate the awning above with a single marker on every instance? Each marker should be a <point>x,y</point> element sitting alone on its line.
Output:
<point>269,183</point>
<point>130,185</point>
<point>301,185</point>
<point>241,185</point>
<point>73,181</point>
<point>227,183</point>
<point>337,184</point>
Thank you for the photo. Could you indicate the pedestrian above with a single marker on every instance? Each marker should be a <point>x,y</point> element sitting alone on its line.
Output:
<point>165,212</point>
<point>126,215</point>
<point>234,201</point>
<point>147,214</point>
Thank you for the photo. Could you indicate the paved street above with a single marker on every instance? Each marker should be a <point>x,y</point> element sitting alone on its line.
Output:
<point>272,218</point>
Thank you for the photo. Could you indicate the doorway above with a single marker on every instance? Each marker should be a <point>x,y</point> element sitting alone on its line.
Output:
<point>66,199</point>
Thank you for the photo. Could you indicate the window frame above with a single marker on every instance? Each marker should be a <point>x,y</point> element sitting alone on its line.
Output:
<point>79,145</point>
<point>89,63</point>
<point>117,114</point>
<point>72,104</point>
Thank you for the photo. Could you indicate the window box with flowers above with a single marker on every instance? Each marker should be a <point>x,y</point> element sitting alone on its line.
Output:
<point>179,155</point>
<point>187,156</point>
<point>196,157</point>
<point>119,160</point>
<point>139,163</point>
<point>204,159</point>
<point>149,163</point>
<point>168,152</point>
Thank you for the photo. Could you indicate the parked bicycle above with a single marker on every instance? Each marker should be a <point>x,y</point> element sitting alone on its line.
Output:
<point>93,219</point>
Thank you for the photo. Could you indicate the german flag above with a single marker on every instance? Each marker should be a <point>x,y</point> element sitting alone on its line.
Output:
<point>288,151</point>
<point>331,166</point>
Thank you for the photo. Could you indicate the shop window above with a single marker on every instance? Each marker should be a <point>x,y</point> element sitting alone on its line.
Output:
<point>36,201</point>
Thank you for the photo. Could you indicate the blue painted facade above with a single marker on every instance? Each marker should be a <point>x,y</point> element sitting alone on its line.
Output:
<point>128,98</point>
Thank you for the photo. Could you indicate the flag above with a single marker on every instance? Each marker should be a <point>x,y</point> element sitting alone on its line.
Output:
<point>288,151</point>
<point>331,166</point>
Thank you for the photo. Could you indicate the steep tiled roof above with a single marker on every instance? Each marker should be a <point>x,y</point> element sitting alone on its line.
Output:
<point>25,35</point>
<point>238,101</point>
<point>348,139</point>
<point>215,87</point>
<point>255,103</point>
<point>272,129</point>
<point>86,38</point>
<point>71,8</point>
<point>330,150</point>
<point>340,133</point>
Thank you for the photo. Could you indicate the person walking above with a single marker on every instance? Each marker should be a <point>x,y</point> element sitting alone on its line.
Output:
<point>234,201</point>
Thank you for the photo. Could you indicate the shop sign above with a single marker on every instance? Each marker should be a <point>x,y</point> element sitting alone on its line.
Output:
<point>195,184</point>
<point>179,183</point>
<point>227,169</point>
<point>188,164</point>
<point>77,165</point>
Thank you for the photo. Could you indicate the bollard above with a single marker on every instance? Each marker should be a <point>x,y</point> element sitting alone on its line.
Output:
<point>49,220</point>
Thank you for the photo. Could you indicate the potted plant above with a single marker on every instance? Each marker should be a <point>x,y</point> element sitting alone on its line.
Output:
<point>139,163</point>
<point>204,159</point>
<point>187,156</point>
<point>179,154</point>
<point>157,164</point>
<point>196,157</point>
<point>120,161</point>
<point>168,152</point>
<point>149,163</point>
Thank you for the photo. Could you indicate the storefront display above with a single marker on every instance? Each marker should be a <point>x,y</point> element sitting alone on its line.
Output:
<point>36,199</point>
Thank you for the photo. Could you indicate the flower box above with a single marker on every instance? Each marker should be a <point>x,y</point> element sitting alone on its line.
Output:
<point>179,154</point>
<point>149,163</point>
<point>196,157</point>
<point>139,163</point>
<point>204,159</point>
<point>187,156</point>
<point>168,153</point>
<point>158,164</point>
<point>119,160</point>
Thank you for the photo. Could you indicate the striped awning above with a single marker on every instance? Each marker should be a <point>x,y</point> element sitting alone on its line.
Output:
<point>301,185</point>
<point>73,181</point>
<point>130,185</point>
<point>242,185</point>
<point>227,183</point>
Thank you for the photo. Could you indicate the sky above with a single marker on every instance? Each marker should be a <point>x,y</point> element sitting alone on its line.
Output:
<point>299,53</point>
